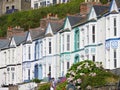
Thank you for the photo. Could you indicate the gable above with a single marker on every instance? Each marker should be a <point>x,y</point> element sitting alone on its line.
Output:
<point>92,14</point>
<point>113,6</point>
<point>67,24</point>
<point>49,31</point>
<point>29,38</point>
<point>12,42</point>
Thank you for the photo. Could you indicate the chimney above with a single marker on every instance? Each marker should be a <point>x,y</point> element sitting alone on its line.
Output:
<point>85,8</point>
<point>50,17</point>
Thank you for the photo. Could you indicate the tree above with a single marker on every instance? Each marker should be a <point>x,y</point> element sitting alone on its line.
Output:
<point>104,1</point>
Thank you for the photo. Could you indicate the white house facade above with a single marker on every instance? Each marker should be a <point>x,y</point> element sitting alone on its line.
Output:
<point>44,3</point>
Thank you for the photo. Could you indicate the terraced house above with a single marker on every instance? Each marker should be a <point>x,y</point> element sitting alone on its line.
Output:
<point>57,44</point>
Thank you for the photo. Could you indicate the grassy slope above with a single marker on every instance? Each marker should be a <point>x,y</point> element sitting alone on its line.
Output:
<point>32,18</point>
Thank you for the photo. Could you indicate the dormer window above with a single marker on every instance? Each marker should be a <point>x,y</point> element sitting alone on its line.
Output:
<point>115,28</point>
<point>50,47</point>
<point>93,33</point>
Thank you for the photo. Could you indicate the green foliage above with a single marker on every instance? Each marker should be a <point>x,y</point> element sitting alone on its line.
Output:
<point>36,80</point>
<point>87,73</point>
<point>61,86</point>
<point>104,1</point>
<point>45,86</point>
<point>31,18</point>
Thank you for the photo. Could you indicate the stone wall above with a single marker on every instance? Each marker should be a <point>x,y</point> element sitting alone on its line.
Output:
<point>116,71</point>
<point>25,4</point>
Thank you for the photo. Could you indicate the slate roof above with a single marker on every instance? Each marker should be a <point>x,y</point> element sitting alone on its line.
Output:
<point>118,3</point>
<point>100,10</point>
<point>4,43</point>
<point>74,20</point>
<point>37,33</point>
<point>56,26</point>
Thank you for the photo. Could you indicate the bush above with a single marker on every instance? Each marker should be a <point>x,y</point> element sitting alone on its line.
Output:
<point>45,86</point>
<point>61,86</point>
<point>36,80</point>
<point>87,74</point>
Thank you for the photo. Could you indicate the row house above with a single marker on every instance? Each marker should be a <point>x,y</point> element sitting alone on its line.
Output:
<point>43,3</point>
<point>94,36</point>
<point>57,44</point>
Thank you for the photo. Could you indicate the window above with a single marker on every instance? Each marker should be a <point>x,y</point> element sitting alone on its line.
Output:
<point>28,74</point>
<point>41,49</point>
<point>36,50</point>
<point>68,65</point>
<point>5,57</point>
<point>76,39</point>
<point>36,5</point>
<point>7,8</point>
<point>12,69</point>
<point>50,70</point>
<point>13,76</point>
<point>29,52</point>
<point>50,47</point>
<point>93,34</point>
<point>54,1</point>
<point>115,29</point>
<point>93,58</point>
<point>68,42</point>
<point>87,34</point>
<point>115,59</point>
<point>13,7</point>
<point>6,0</point>
<point>13,55</point>
<point>76,59</point>
<point>63,43</point>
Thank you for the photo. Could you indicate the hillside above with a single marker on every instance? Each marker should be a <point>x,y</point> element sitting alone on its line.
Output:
<point>31,18</point>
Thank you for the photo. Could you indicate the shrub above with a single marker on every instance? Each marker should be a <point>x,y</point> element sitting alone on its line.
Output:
<point>87,74</point>
<point>61,86</point>
<point>45,86</point>
<point>36,80</point>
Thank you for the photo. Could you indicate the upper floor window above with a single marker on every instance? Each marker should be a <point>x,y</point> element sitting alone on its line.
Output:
<point>115,29</point>
<point>36,50</point>
<point>13,53</point>
<point>77,39</point>
<point>5,54</point>
<point>29,52</point>
<point>68,42</point>
<point>50,47</point>
<point>115,58</point>
<point>41,49</point>
<point>62,42</point>
<point>87,34</point>
<point>93,34</point>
